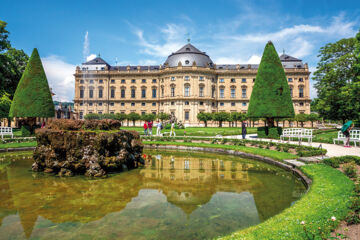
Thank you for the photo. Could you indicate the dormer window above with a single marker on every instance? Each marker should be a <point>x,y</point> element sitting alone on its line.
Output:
<point>188,49</point>
<point>187,62</point>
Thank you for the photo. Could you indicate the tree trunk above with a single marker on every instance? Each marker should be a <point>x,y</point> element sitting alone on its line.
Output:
<point>205,123</point>
<point>297,123</point>
<point>312,124</point>
<point>270,122</point>
<point>220,123</point>
<point>9,122</point>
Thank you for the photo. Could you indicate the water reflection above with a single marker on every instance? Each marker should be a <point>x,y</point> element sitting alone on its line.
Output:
<point>176,195</point>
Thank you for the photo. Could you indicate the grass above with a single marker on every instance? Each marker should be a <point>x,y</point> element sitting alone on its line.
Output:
<point>18,145</point>
<point>199,131</point>
<point>325,137</point>
<point>329,196</point>
<point>258,151</point>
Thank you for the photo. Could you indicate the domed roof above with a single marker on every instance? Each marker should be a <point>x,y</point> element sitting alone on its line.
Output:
<point>187,55</point>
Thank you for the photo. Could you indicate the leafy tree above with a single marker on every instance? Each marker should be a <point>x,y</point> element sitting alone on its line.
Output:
<point>312,117</point>
<point>270,97</point>
<point>205,117</point>
<point>148,117</point>
<point>133,117</point>
<point>92,116</point>
<point>121,117</point>
<point>33,97</point>
<point>163,116</point>
<point>301,118</point>
<point>5,104</point>
<point>238,117</point>
<point>220,117</point>
<point>107,116</point>
<point>336,80</point>
<point>4,34</point>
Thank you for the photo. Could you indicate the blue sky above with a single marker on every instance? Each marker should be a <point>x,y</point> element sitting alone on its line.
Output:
<point>145,32</point>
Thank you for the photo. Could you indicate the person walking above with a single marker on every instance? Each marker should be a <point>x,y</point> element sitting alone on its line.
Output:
<point>158,128</point>
<point>243,129</point>
<point>150,125</point>
<point>346,128</point>
<point>172,130</point>
<point>145,129</point>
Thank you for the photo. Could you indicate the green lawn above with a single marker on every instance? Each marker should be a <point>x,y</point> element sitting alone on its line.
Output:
<point>199,131</point>
<point>258,151</point>
<point>326,137</point>
<point>329,196</point>
<point>18,145</point>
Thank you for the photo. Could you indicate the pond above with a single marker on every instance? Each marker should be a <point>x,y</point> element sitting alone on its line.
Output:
<point>176,195</point>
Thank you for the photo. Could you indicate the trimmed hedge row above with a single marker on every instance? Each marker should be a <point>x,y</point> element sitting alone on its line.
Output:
<point>76,125</point>
<point>336,161</point>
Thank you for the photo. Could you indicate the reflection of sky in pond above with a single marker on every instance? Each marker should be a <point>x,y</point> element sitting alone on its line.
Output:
<point>176,195</point>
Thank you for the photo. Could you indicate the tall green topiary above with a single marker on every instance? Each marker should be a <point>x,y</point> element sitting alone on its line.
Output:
<point>270,96</point>
<point>32,96</point>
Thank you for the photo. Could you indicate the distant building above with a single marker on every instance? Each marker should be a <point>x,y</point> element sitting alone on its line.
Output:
<point>186,84</point>
<point>64,111</point>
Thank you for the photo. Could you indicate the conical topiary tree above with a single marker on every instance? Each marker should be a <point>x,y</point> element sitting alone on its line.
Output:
<point>32,97</point>
<point>270,97</point>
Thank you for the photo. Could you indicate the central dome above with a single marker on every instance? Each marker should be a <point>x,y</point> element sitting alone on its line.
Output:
<point>187,55</point>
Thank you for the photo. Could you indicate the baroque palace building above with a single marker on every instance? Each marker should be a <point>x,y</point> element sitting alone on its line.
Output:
<point>186,84</point>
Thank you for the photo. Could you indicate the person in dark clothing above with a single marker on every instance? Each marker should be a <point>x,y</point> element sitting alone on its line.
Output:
<point>243,129</point>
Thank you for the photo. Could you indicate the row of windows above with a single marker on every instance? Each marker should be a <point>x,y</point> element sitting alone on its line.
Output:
<point>233,104</point>
<point>301,92</point>
<point>291,79</point>
<point>233,80</point>
<point>122,93</point>
<point>122,81</point>
<point>113,104</point>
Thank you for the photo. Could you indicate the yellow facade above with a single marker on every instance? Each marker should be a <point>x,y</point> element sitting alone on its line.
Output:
<point>180,90</point>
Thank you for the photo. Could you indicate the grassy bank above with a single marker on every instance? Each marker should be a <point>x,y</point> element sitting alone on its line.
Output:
<point>262,152</point>
<point>329,196</point>
<point>18,145</point>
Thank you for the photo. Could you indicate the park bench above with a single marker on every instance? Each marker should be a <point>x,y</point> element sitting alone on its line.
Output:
<point>354,137</point>
<point>6,131</point>
<point>298,133</point>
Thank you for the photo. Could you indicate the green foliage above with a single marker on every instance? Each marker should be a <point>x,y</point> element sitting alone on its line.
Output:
<point>336,161</point>
<point>32,97</point>
<point>5,104</point>
<point>274,133</point>
<point>205,117</point>
<point>350,169</point>
<point>133,117</point>
<point>4,34</point>
<point>163,116</point>
<point>301,118</point>
<point>337,82</point>
<point>312,117</point>
<point>148,117</point>
<point>120,116</point>
<point>25,131</point>
<point>270,96</point>
<point>92,116</point>
<point>261,132</point>
<point>220,117</point>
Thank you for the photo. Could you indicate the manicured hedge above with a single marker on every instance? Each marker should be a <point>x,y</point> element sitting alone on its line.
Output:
<point>329,196</point>
<point>336,161</point>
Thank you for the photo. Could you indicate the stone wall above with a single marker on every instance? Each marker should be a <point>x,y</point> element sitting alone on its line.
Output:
<point>92,153</point>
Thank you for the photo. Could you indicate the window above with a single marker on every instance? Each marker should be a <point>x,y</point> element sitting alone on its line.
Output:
<point>233,104</point>
<point>186,102</point>
<point>291,92</point>
<point>154,113</point>
<point>290,80</point>
<point>154,103</point>
<point>301,92</point>
<point>186,115</point>
<point>154,92</point>
<point>243,93</point>
<point>143,104</point>
<point>100,81</point>
<point>90,104</point>
<point>172,103</point>
<point>301,80</point>
<point>122,80</point>
<point>112,93</point>
<point>81,104</point>
<point>172,78</point>
<point>187,62</point>
<point>222,92</point>
<point>81,115</point>
<point>213,92</point>
<point>221,104</point>
<point>91,93</point>
<point>233,80</point>
<point>221,80</point>
<point>233,92</point>
<point>243,80</point>
<point>301,104</point>
<point>81,81</point>
<point>201,103</point>
<point>172,91</point>
<point>100,112</point>
<point>133,81</point>
<point>100,104</point>
<point>201,91</point>
<point>132,104</point>
<point>81,93</point>
<point>143,113</point>
<point>143,80</point>
<point>122,104</point>
<point>187,91</point>
<point>244,104</point>
<point>143,92</point>
<point>186,77</point>
<point>123,93</point>
<point>112,104</point>
<point>133,92</point>
<point>100,93</point>
<point>112,113</point>
<point>154,81</point>
<point>91,81</point>
<point>112,80</point>
<point>201,78</point>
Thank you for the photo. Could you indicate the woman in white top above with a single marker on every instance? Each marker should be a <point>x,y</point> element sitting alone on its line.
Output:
<point>172,130</point>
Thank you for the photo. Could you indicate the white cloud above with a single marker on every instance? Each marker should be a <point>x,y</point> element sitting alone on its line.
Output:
<point>60,77</point>
<point>90,57</point>
<point>254,59</point>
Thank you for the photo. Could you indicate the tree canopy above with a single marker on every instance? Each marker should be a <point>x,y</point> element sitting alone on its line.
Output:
<point>5,104</point>
<point>33,97</point>
<point>270,97</point>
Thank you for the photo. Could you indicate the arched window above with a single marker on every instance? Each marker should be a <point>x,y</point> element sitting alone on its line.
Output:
<point>153,92</point>
<point>201,90</point>
<point>222,92</point>
<point>187,90</point>
<point>172,90</point>
<point>233,91</point>
<point>301,91</point>
<point>81,92</point>
<point>133,91</point>
<point>291,91</point>
<point>91,93</point>
<point>112,92</point>
<point>243,92</point>
<point>143,92</point>
<point>100,92</point>
<point>122,93</point>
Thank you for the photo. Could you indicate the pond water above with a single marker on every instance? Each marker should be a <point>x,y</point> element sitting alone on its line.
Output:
<point>176,195</point>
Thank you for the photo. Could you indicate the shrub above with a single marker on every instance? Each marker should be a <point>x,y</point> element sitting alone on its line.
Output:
<point>350,170</point>
<point>261,132</point>
<point>352,218</point>
<point>25,131</point>
<point>92,116</point>
<point>336,161</point>
<point>274,133</point>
